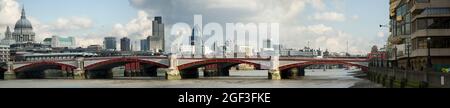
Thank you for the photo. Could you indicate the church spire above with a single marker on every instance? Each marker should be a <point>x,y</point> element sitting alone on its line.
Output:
<point>8,30</point>
<point>7,33</point>
<point>23,12</point>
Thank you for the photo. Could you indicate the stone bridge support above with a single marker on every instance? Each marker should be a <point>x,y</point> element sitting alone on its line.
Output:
<point>9,74</point>
<point>80,73</point>
<point>172,72</point>
<point>274,72</point>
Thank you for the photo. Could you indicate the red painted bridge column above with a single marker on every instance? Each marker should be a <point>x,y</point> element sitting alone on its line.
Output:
<point>138,69</point>
<point>133,69</point>
<point>127,70</point>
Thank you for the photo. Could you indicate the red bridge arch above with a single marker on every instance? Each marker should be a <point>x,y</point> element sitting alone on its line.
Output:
<point>123,60</point>
<point>309,63</point>
<point>42,64</point>
<point>216,61</point>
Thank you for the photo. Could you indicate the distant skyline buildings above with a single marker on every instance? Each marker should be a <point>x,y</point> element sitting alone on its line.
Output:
<point>144,45</point>
<point>110,43</point>
<point>325,23</point>
<point>125,44</point>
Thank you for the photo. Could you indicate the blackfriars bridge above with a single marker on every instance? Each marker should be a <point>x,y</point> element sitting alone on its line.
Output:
<point>176,67</point>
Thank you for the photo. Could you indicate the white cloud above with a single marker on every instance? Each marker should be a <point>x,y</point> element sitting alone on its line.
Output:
<point>72,23</point>
<point>319,29</point>
<point>137,28</point>
<point>318,4</point>
<point>9,13</point>
<point>329,16</point>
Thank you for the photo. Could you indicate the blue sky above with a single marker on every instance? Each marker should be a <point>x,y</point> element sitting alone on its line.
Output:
<point>103,12</point>
<point>326,23</point>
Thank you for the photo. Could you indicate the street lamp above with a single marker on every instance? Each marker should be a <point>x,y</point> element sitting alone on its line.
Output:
<point>429,64</point>
<point>395,55</point>
<point>408,65</point>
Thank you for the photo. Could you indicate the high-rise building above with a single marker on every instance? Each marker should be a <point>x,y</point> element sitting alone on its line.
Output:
<point>23,30</point>
<point>125,44</point>
<point>196,41</point>
<point>144,45</point>
<point>267,43</point>
<point>419,26</point>
<point>157,43</point>
<point>110,43</point>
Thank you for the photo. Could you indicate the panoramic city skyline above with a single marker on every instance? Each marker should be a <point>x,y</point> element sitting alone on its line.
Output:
<point>326,24</point>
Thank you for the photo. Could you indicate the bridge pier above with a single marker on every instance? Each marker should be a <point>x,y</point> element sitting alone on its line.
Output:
<point>9,74</point>
<point>79,74</point>
<point>172,72</point>
<point>274,75</point>
<point>274,72</point>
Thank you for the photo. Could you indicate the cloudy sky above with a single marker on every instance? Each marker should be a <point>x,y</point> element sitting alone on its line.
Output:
<point>327,24</point>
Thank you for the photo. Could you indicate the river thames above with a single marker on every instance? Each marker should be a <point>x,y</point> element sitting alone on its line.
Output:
<point>336,78</point>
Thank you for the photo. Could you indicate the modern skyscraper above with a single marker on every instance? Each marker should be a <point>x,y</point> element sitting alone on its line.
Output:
<point>420,37</point>
<point>144,45</point>
<point>196,41</point>
<point>157,43</point>
<point>110,43</point>
<point>125,44</point>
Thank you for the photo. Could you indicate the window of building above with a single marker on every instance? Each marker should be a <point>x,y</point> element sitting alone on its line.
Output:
<point>433,23</point>
<point>435,11</point>
<point>436,42</point>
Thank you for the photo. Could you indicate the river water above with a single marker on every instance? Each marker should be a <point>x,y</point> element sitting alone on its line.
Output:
<point>337,78</point>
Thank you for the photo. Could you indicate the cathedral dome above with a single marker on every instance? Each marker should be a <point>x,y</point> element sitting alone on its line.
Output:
<point>23,23</point>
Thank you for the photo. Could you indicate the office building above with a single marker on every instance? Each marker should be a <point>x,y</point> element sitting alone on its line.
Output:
<point>125,44</point>
<point>157,43</point>
<point>110,43</point>
<point>418,26</point>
